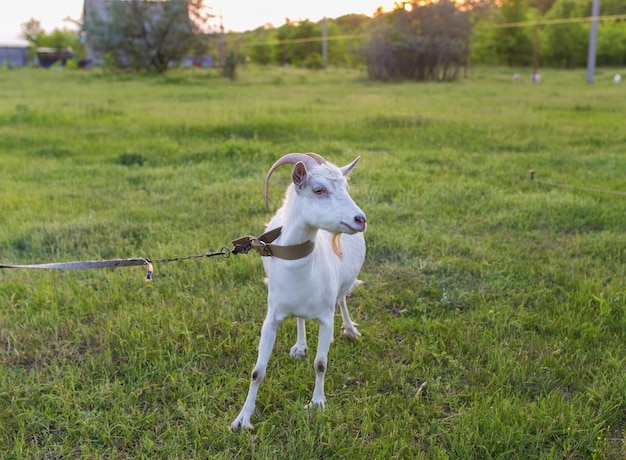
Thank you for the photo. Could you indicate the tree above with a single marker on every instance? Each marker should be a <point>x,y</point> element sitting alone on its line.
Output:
<point>419,42</point>
<point>32,31</point>
<point>258,45</point>
<point>346,52</point>
<point>612,44</point>
<point>567,43</point>
<point>148,35</point>
<point>542,5</point>
<point>351,23</point>
<point>59,39</point>
<point>513,44</point>
<point>298,41</point>
<point>608,7</point>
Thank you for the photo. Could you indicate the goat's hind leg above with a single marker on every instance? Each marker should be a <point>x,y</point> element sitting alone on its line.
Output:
<point>266,344</point>
<point>300,348</point>
<point>349,327</point>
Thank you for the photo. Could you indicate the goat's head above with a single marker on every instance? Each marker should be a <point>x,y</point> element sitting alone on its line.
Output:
<point>322,189</point>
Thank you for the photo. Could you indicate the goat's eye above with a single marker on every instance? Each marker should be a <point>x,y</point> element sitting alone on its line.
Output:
<point>319,190</point>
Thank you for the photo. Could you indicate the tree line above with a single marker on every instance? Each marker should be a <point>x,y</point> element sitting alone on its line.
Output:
<point>430,41</point>
<point>417,40</point>
<point>562,42</point>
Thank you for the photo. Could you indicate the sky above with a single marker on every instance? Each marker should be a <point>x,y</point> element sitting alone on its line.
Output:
<point>238,15</point>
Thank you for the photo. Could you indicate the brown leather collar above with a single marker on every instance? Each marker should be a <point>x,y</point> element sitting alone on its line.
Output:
<point>262,245</point>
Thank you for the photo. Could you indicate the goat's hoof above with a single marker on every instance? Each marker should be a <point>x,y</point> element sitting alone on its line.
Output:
<point>242,422</point>
<point>316,404</point>
<point>350,331</point>
<point>298,351</point>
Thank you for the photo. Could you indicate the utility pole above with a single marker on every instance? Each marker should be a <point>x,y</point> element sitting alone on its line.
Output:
<point>324,43</point>
<point>593,39</point>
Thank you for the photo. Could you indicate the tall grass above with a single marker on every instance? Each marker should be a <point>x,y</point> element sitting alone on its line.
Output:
<point>505,296</point>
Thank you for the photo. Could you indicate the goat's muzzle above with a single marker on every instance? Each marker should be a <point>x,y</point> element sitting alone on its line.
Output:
<point>360,222</point>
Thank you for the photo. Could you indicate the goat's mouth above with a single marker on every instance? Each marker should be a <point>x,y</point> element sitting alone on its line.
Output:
<point>354,228</point>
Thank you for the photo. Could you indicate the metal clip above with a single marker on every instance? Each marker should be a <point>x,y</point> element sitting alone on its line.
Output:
<point>262,248</point>
<point>242,245</point>
<point>150,274</point>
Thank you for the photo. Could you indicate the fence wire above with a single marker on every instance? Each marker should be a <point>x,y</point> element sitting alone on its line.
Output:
<point>503,25</point>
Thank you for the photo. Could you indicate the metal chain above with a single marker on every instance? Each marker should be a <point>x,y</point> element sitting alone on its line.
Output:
<point>241,246</point>
<point>114,263</point>
<point>224,252</point>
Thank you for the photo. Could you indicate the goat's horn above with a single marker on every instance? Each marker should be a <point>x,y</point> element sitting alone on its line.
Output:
<point>316,157</point>
<point>348,168</point>
<point>310,160</point>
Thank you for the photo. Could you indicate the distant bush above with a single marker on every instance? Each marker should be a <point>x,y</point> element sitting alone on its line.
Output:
<point>314,61</point>
<point>424,42</point>
<point>230,66</point>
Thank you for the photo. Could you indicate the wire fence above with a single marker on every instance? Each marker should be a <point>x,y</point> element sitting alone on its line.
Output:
<point>548,22</point>
<point>573,187</point>
<point>480,26</point>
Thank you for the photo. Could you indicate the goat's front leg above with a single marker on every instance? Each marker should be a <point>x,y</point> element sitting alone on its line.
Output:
<point>324,340</point>
<point>300,348</point>
<point>349,327</point>
<point>266,344</point>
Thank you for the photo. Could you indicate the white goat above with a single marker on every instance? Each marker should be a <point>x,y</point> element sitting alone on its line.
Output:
<point>317,209</point>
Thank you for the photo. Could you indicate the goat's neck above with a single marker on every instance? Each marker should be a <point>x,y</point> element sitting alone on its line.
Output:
<point>295,230</point>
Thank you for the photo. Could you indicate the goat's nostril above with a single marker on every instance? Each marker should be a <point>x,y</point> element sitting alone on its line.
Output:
<point>360,219</point>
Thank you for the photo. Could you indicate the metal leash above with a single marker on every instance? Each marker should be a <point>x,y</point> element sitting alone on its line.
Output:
<point>115,263</point>
<point>240,246</point>
<point>224,252</point>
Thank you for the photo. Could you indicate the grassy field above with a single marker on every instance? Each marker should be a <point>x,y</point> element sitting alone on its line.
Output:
<point>493,309</point>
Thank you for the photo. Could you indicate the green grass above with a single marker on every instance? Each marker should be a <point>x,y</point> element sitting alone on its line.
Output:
<point>507,297</point>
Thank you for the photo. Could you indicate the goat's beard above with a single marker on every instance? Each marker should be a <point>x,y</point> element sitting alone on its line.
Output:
<point>336,244</point>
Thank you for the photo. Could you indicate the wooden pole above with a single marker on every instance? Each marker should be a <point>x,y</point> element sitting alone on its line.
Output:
<point>535,44</point>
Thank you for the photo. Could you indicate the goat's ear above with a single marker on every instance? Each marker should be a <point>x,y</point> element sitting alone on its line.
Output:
<point>298,176</point>
<point>347,169</point>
